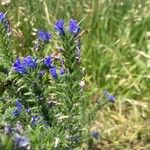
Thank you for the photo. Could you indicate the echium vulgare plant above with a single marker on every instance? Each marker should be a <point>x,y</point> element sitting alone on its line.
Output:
<point>43,105</point>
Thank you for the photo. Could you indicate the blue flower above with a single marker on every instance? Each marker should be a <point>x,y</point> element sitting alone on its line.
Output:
<point>53,72</point>
<point>8,129</point>
<point>2,17</point>
<point>35,120</point>
<point>21,142</point>
<point>16,113</point>
<point>62,71</point>
<point>109,96</point>
<point>19,105</point>
<point>19,67</point>
<point>29,62</point>
<point>74,27</point>
<point>59,26</point>
<point>44,36</point>
<point>18,109</point>
<point>5,22</point>
<point>48,61</point>
<point>23,66</point>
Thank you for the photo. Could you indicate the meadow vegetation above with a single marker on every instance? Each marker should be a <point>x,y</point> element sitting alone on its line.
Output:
<point>115,54</point>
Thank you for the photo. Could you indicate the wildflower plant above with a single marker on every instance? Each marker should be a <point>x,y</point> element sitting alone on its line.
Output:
<point>6,53</point>
<point>43,93</point>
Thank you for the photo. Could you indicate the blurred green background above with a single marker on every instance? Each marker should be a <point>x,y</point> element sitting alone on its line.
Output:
<point>115,53</point>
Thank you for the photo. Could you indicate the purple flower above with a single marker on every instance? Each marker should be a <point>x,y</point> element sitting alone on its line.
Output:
<point>2,17</point>
<point>48,61</point>
<point>5,22</point>
<point>29,62</point>
<point>74,27</point>
<point>62,71</point>
<point>19,67</point>
<point>53,72</point>
<point>8,129</point>
<point>109,96</point>
<point>23,66</point>
<point>44,36</point>
<point>19,105</point>
<point>59,26</point>
<point>21,142</point>
<point>48,36</point>
<point>35,120</point>
<point>16,113</point>
<point>18,109</point>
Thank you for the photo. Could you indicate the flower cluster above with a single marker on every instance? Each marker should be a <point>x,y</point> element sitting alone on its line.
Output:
<point>18,109</point>
<point>23,66</point>
<point>44,36</point>
<point>5,22</point>
<point>19,141</point>
<point>73,28</point>
<point>53,72</point>
<point>59,26</point>
<point>48,61</point>
<point>28,63</point>
<point>2,17</point>
<point>35,120</point>
<point>64,93</point>
<point>48,64</point>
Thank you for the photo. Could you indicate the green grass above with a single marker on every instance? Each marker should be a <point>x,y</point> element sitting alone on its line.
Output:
<point>115,53</point>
